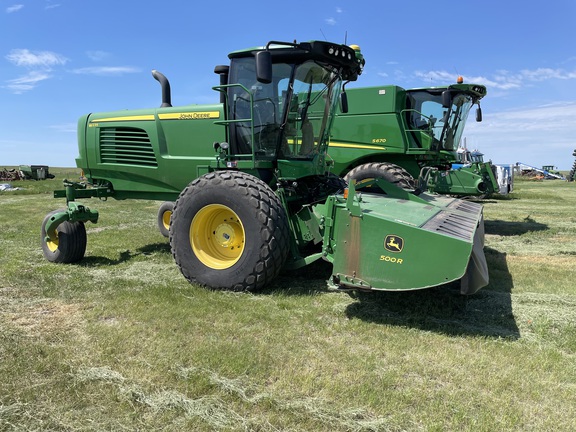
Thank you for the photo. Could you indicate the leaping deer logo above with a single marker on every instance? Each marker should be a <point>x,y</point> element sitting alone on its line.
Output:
<point>394,243</point>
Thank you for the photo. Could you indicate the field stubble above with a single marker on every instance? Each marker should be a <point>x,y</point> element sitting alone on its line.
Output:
<point>121,341</point>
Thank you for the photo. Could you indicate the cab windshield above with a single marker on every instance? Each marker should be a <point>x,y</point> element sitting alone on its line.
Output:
<point>445,125</point>
<point>287,118</point>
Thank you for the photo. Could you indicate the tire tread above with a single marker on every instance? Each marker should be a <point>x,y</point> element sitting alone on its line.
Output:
<point>265,204</point>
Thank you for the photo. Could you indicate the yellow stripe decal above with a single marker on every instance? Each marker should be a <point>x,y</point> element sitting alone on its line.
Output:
<point>124,118</point>
<point>358,146</point>
<point>167,116</point>
<point>190,115</point>
<point>342,145</point>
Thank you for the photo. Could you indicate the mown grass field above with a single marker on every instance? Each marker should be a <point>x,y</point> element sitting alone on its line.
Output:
<point>120,341</point>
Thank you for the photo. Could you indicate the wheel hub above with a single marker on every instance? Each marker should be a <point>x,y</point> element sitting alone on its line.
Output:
<point>226,235</point>
<point>217,236</point>
<point>53,244</point>
<point>166,219</point>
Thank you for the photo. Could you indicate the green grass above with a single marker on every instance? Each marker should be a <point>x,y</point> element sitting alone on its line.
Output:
<point>120,341</point>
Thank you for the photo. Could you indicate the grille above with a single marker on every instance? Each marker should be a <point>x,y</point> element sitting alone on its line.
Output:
<point>466,206</point>
<point>460,221</point>
<point>128,146</point>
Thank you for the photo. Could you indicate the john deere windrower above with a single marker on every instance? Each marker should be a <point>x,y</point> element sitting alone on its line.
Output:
<point>252,189</point>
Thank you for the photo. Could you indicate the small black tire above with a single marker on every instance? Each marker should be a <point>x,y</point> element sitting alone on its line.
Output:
<point>229,231</point>
<point>385,170</point>
<point>164,215</point>
<point>70,245</point>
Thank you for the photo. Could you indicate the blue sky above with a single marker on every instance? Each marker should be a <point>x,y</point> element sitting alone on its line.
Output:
<point>60,59</point>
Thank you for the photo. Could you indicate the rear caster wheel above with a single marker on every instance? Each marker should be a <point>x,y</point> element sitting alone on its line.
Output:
<point>164,215</point>
<point>70,241</point>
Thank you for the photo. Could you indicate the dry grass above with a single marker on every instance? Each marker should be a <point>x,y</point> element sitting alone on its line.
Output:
<point>122,342</point>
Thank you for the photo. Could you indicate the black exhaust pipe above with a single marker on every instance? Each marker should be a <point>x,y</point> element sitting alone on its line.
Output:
<point>166,97</point>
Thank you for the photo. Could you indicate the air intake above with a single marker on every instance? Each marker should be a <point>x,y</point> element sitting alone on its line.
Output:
<point>127,146</point>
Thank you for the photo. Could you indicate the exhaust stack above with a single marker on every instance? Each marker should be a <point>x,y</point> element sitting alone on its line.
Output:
<point>166,96</point>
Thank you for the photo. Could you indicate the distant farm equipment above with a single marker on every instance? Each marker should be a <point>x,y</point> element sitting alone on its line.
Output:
<point>505,178</point>
<point>503,174</point>
<point>35,172</point>
<point>531,172</point>
<point>410,137</point>
<point>26,172</point>
<point>572,174</point>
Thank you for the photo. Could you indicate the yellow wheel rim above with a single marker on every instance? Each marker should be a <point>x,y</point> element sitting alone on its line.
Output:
<point>53,245</point>
<point>217,236</point>
<point>166,219</point>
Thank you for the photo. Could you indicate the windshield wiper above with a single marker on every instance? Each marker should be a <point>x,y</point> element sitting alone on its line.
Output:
<point>289,95</point>
<point>304,111</point>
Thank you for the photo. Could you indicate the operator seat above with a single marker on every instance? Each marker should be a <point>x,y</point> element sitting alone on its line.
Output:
<point>307,138</point>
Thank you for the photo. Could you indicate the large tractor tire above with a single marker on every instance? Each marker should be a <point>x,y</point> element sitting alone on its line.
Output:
<point>229,231</point>
<point>388,171</point>
<point>70,244</point>
<point>164,215</point>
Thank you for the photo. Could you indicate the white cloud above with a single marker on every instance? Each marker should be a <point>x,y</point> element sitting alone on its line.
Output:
<point>97,55</point>
<point>543,74</point>
<point>14,8</point>
<point>106,70</point>
<point>330,21</point>
<point>67,127</point>
<point>435,75</point>
<point>339,10</point>
<point>569,60</point>
<point>40,64</point>
<point>26,82</point>
<point>536,136</point>
<point>502,80</point>
<point>444,77</point>
<point>42,59</point>
<point>50,5</point>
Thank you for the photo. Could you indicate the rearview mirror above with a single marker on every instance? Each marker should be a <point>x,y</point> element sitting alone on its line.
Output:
<point>343,102</point>
<point>479,114</point>
<point>264,67</point>
<point>446,99</point>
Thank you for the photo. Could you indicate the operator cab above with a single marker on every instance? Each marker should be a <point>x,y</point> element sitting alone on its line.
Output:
<point>442,113</point>
<point>282,107</point>
<point>282,118</point>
